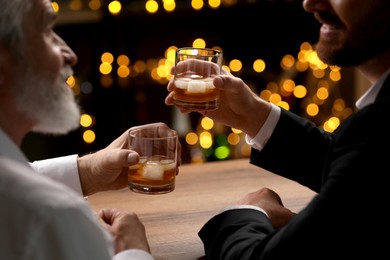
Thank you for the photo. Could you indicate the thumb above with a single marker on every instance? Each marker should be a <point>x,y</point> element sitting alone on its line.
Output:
<point>218,82</point>
<point>228,83</point>
<point>132,158</point>
<point>120,157</point>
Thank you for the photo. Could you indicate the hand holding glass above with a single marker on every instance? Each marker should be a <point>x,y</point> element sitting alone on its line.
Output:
<point>156,171</point>
<point>195,69</point>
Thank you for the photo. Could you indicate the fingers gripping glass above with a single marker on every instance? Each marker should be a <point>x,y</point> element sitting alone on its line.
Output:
<point>195,69</point>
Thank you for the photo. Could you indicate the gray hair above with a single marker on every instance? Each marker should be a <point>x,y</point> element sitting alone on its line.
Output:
<point>12,13</point>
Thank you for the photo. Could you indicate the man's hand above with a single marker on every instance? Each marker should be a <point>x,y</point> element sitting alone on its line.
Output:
<point>271,203</point>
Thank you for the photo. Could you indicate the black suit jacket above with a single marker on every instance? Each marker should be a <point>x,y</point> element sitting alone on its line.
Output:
<point>348,169</point>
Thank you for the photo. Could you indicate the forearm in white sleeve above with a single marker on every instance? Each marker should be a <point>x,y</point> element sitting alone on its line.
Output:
<point>259,141</point>
<point>62,169</point>
<point>135,254</point>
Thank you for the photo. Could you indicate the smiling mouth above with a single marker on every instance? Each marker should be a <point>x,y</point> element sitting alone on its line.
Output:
<point>329,27</point>
<point>328,22</point>
<point>328,30</point>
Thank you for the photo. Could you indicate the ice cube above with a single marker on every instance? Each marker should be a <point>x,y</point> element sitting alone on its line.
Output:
<point>153,171</point>
<point>196,86</point>
<point>182,83</point>
<point>168,164</point>
<point>194,76</point>
<point>209,83</point>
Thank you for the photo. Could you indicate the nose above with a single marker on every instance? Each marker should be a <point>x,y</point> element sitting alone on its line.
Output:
<point>313,5</point>
<point>69,56</point>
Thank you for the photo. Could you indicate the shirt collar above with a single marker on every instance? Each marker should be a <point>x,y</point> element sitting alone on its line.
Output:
<point>370,95</point>
<point>8,148</point>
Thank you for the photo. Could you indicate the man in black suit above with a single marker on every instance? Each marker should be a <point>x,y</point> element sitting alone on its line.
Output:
<point>347,168</point>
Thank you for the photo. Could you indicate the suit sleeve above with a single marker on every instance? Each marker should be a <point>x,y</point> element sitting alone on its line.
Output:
<point>303,148</point>
<point>234,233</point>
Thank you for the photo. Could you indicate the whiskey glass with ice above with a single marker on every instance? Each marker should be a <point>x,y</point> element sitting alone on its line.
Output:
<point>195,69</point>
<point>155,173</point>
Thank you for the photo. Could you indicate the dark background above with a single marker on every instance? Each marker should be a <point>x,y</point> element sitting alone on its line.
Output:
<point>263,28</point>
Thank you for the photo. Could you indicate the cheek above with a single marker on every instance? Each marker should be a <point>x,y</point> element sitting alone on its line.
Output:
<point>51,62</point>
<point>348,14</point>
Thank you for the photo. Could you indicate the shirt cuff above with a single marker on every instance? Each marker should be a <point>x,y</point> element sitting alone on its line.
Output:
<point>261,138</point>
<point>245,207</point>
<point>62,169</point>
<point>133,254</point>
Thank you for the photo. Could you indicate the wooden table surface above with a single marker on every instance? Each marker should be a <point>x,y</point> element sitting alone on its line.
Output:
<point>202,190</point>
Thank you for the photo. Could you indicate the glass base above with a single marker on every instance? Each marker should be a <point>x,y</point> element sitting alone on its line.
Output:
<point>152,189</point>
<point>198,106</point>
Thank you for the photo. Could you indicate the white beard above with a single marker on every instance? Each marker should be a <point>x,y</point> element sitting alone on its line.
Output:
<point>51,105</point>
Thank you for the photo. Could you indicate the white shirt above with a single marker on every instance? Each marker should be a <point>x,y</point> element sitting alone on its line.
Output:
<point>42,219</point>
<point>370,95</point>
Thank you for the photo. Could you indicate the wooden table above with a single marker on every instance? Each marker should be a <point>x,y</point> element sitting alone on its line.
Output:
<point>202,190</point>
